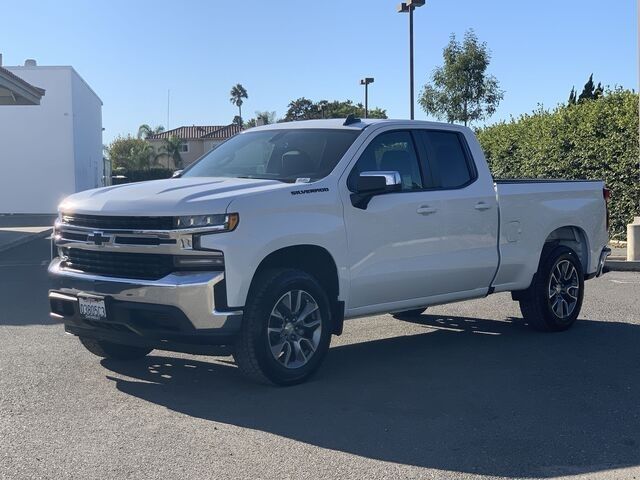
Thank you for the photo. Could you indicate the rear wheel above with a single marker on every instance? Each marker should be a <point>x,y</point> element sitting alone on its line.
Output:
<point>553,301</point>
<point>409,314</point>
<point>286,328</point>
<point>115,351</point>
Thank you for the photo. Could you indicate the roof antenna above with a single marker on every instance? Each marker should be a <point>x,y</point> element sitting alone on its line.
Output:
<point>351,118</point>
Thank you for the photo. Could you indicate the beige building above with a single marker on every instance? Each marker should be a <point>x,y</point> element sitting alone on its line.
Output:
<point>197,140</point>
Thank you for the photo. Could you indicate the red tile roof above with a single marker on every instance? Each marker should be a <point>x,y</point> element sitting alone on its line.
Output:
<point>199,132</point>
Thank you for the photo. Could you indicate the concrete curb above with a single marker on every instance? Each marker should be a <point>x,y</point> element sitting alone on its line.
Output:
<point>622,266</point>
<point>26,239</point>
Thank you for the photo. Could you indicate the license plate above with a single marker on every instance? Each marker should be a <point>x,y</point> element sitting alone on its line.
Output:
<point>92,308</point>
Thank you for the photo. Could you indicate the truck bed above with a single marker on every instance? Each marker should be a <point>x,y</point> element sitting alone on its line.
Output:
<point>531,209</point>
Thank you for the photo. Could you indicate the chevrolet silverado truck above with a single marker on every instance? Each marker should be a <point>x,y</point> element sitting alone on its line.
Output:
<point>263,247</point>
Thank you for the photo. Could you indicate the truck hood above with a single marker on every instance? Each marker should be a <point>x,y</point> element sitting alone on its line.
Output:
<point>176,196</point>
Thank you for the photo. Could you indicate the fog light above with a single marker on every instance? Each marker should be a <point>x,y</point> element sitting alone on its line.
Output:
<point>201,263</point>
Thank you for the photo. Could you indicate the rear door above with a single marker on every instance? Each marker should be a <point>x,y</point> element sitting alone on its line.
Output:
<point>467,214</point>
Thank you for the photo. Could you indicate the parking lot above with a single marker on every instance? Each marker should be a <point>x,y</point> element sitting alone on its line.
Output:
<point>467,391</point>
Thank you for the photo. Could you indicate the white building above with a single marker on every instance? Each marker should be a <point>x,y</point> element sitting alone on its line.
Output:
<point>51,150</point>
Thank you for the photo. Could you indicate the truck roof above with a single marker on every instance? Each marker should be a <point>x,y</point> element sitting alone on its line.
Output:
<point>338,123</point>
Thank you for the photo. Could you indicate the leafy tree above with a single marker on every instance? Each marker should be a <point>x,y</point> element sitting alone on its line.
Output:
<point>305,109</point>
<point>143,156</point>
<point>595,139</point>
<point>301,109</point>
<point>172,148</point>
<point>261,118</point>
<point>145,130</point>
<point>237,94</point>
<point>237,120</point>
<point>126,152</point>
<point>461,90</point>
<point>572,97</point>
<point>266,117</point>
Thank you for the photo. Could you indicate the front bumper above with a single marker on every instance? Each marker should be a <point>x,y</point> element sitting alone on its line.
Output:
<point>179,307</point>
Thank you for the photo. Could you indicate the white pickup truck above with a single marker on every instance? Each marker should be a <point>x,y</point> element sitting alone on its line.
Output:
<point>267,243</point>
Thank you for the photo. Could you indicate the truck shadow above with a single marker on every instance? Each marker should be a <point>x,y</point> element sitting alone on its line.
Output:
<point>468,395</point>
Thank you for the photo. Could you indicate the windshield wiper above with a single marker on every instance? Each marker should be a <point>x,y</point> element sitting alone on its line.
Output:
<point>263,178</point>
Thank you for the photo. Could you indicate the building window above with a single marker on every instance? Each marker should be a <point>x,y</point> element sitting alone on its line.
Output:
<point>184,147</point>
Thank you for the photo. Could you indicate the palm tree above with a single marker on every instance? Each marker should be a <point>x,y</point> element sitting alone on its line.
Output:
<point>142,156</point>
<point>238,92</point>
<point>145,130</point>
<point>171,148</point>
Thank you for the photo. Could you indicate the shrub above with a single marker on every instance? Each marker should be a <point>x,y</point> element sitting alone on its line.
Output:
<point>595,139</point>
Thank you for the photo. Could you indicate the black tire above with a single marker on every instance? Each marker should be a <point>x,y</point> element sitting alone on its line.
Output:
<point>542,310</point>
<point>114,351</point>
<point>409,314</point>
<point>253,350</point>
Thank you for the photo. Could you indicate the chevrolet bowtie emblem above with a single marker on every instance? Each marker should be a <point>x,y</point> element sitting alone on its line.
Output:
<point>98,238</point>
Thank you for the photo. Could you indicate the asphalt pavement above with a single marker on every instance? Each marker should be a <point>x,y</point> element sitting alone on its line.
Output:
<point>466,391</point>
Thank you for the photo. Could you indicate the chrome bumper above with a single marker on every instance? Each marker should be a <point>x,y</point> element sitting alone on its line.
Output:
<point>191,292</point>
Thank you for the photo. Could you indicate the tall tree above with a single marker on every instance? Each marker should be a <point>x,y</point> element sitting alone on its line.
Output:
<point>588,90</point>
<point>598,92</point>
<point>238,93</point>
<point>145,130</point>
<point>301,109</point>
<point>461,90</point>
<point>172,148</point>
<point>572,96</point>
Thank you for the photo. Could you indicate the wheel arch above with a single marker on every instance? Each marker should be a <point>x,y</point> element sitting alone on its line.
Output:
<point>573,237</point>
<point>315,260</point>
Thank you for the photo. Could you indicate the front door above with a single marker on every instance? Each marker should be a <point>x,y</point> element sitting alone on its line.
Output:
<point>431,239</point>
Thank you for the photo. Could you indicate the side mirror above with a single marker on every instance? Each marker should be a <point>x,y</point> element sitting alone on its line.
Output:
<point>378,182</point>
<point>370,184</point>
<point>177,174</point>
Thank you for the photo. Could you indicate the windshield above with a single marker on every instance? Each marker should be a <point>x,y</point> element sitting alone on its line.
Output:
<point>285,155</point>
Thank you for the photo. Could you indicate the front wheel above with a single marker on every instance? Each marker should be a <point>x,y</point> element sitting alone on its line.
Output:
<point>553,301</point>
<point>286,328</point>
<point>114,351</point>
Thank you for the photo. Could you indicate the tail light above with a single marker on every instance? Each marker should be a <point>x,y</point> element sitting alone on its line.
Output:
<point>606,193</point>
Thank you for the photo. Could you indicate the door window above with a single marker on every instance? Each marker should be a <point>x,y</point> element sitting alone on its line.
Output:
<point>391,151</point>
<point>447,158</point>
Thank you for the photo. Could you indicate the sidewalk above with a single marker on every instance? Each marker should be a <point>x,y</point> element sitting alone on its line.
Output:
<point>617,261</point>
<point>18,229</point>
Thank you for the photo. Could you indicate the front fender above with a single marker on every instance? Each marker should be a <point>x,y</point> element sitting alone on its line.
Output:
<point>278,220</point>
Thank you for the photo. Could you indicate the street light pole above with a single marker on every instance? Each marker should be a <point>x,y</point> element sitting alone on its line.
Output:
<point>409,7</point>
<point>366,81</point>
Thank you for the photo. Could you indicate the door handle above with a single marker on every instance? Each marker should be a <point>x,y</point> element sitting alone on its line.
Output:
<point>426,210</point>
<point>482,206</point>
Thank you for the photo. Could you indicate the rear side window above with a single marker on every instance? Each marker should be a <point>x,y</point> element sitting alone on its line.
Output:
<point>447,158</point>
<point>391,151</point>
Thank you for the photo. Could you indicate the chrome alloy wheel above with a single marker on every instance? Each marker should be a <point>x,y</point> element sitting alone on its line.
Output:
<point>294,328</point>
<point>563,289</point>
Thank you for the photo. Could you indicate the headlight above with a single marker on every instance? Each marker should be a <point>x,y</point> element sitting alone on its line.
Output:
<point>220,222</point>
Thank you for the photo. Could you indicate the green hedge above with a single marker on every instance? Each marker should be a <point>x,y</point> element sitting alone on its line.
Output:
<point>140,175</point>
<point>595,139</point>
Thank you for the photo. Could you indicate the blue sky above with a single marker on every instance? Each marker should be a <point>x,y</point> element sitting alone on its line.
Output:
<point>132,52</point>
